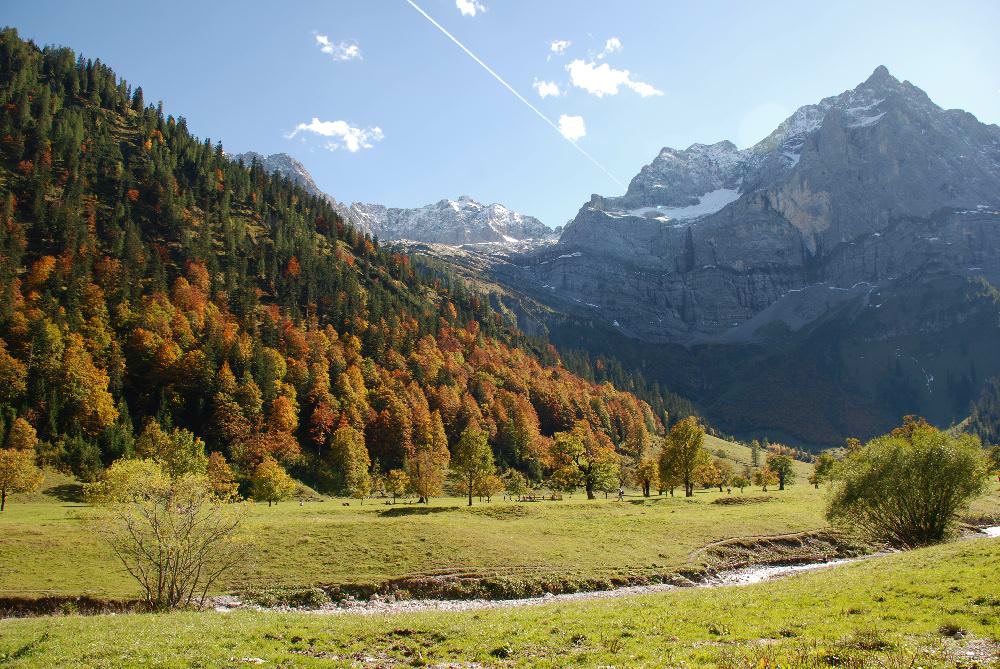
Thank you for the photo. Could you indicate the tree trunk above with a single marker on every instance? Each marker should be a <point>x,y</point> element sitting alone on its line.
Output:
<point>470,492</point>
<point>3,499</point>
<point>590,490</point>
<point>781,483</point>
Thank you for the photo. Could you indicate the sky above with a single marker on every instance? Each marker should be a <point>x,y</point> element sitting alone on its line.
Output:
<point>535,104</point>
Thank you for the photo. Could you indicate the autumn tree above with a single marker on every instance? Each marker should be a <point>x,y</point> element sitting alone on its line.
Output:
<point>707,474</point>
<point>22,436</point>
<point>726,473</point>
<point>84,388</point>
<point>743,479</point>
<point>270,482</point>
<point>488,485</point>
<point>349,447</point>
<point>397,482</point>
<point>174,536</point>
<point>427,462</point>
<point>783,468</point>
<point>822,469</point>
<point>472,459</point>
<point>177,451</point>
<point>18,473</point>
<point>682,453</point>
<point>764,477</point>
<point>221,476</point>
<point>126,480</point>
<point>515,483</point>
<point>586,458</point>
<point>647,475</point>
<point>13,376</point>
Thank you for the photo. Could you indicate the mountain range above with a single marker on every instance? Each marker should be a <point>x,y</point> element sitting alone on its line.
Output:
<point>451,222</point>
<point>822,282</point>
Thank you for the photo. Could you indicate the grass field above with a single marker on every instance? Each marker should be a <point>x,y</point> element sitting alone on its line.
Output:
<point>48,544</point>
<point>900,610</point>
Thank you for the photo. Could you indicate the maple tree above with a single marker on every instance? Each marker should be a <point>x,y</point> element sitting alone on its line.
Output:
<point>18,473</point>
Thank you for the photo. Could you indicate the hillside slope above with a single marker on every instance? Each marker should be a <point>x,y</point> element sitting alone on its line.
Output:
<point>146,276</point>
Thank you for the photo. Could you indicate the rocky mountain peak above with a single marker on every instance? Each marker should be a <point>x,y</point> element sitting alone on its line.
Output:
<point>454,222</point>
<point>285,165</point>
<point>880,76</point>
<point>713,225</point>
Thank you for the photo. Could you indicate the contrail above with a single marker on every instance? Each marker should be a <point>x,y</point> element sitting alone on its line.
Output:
<point>516,94</point>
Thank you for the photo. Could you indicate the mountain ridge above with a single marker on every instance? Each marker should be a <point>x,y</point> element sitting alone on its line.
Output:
<point>454,222</point>
<point>733,266</point>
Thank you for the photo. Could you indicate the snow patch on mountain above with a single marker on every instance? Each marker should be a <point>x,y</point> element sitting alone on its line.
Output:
<point>709,203</point>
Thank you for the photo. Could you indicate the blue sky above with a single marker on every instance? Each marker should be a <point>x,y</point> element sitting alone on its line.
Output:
<point>428,122</point>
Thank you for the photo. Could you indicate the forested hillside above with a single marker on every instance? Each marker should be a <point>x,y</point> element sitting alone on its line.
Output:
<point>153,290</point>
<point>985,418</point>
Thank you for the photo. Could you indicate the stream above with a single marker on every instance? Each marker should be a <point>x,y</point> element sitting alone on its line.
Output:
<point>737,577</point>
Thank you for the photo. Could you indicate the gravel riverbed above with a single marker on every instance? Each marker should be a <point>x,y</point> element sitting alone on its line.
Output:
<point>379,604</point>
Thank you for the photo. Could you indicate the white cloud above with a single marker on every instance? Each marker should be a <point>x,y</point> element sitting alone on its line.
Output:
<point>341,134</point>
<point>559,46</point>
<point>339,50</point>
<point>601,80</point>
<point>643,89</point>
<point>613,45</point>
<point>470,7</point>
<point>572,127</point>
<point>546,88</point>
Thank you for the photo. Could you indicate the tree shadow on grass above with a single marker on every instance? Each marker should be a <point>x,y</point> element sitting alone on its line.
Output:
<point>649,500</point>
<point>26,650</point>
<point>414,511</point>
<point>67,492</point>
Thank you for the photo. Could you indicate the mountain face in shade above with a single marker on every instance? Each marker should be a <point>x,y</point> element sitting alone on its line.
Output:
<point>822,282</point>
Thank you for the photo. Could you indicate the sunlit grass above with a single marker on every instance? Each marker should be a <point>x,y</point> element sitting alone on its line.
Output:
<point>889,611</point>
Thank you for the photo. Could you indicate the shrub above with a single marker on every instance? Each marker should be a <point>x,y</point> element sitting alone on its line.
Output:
<point>175,537</point>
<point>906,488</point>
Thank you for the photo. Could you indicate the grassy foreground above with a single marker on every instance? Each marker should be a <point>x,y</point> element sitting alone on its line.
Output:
<point>48,546</point>
<point>896,611</point>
